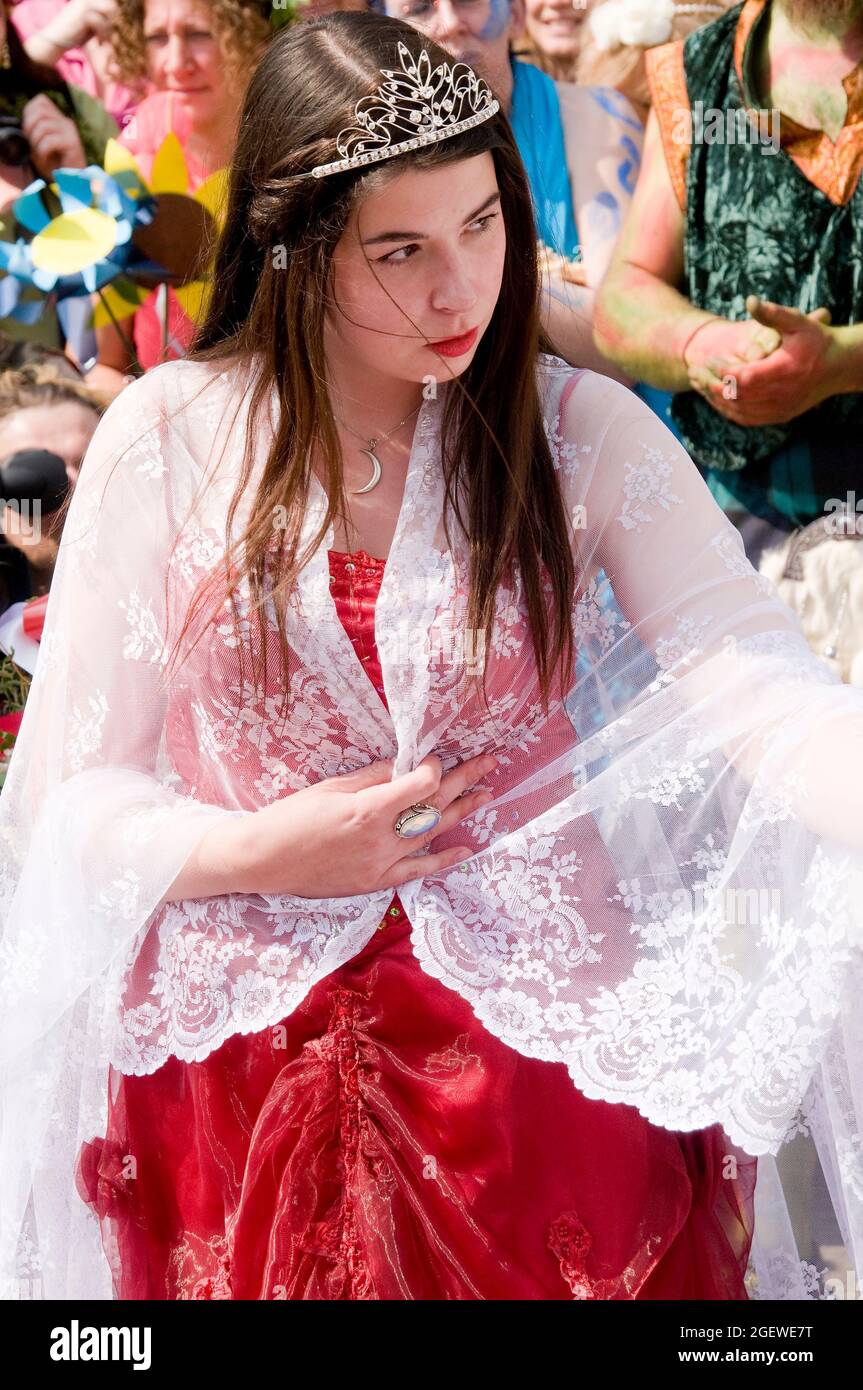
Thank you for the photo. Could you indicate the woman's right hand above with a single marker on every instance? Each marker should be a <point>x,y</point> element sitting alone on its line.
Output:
<point>336,838</point>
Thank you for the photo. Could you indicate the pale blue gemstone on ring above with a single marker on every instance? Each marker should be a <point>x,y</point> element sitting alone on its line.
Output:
<point>417,822</point>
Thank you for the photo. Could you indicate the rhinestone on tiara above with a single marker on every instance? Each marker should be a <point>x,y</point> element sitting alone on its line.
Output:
<point>419,103</point>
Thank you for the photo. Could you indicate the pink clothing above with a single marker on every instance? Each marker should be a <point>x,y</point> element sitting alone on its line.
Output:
<point>155,118</point>
<point>30,16</point>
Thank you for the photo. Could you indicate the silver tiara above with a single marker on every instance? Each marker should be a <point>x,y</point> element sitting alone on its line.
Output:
<point>420,104</point>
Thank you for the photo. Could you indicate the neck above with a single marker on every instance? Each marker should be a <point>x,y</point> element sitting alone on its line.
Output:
<point>213,144</point>
<point>370,402</point>
<point>801,72</point>
<point>820,27</point>
<point>559,69</point>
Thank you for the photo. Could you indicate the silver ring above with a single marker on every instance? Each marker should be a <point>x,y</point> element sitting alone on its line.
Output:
<point>417,820</point>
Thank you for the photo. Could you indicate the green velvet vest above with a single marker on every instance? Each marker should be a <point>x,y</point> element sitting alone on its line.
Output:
<point>756,225</point>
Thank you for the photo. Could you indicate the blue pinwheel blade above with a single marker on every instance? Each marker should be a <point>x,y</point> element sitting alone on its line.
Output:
<point>29,209</point>
<point>76,187</point>
<point>15,258</point>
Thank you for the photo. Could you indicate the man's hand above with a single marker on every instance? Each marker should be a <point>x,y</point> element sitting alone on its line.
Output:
<point>54,139</point>
<point>797,374</point>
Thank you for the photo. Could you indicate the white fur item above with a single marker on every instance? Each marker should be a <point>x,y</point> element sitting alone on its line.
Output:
<point>832,571</point>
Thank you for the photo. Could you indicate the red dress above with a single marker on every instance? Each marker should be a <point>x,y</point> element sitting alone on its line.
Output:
<point>380,1143</point>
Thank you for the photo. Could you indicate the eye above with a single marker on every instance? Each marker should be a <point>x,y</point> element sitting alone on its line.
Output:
<point>484,222</point>
<point>404,253</point>
<point>390,257</point>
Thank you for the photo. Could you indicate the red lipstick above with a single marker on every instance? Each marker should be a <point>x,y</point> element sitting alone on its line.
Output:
<point>456,347</point>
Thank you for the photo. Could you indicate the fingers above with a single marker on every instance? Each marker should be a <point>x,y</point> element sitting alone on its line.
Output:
<point>48,134</point>
<point>820,316</point>
<point>375,774</point>
<point>762,345</point>
<point>744,405</point>
<point>462,807</point>
<point>393,796</point>
<point>455,782</point>
<point>425,783</point>
<point>706,380</point>
<point>575,273</point>
<point>425,864</point>
<point>777,316</point>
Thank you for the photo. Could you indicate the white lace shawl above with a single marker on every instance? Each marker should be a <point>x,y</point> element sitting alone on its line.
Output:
<point>661,894</point>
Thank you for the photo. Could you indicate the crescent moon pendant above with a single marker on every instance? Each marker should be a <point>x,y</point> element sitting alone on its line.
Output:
<point>376,475</point>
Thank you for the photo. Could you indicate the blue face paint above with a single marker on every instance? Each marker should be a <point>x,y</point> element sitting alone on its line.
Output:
<point>603,215</point>
<point>498,19</point>
<point>627,172</point>
<point>616,104</point>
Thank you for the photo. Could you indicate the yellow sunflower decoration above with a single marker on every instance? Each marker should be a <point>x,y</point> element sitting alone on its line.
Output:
<point>181,237</point>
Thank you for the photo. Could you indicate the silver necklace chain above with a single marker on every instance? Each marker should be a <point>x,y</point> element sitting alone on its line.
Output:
<point>377,438</point>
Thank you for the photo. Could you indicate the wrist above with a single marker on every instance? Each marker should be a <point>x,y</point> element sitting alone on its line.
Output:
<point>690,330</point>
<point>843,368</point>
<point>46,47</point>
<point>226,854</point>
<point>217,865</point>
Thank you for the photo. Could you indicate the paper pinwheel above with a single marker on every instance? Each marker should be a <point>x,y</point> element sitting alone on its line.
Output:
<point>76,251</point>
<point>179,236</point>
<point>116,234</point>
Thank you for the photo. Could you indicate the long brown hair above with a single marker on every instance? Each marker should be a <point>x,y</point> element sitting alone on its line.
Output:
<point>493,436</point>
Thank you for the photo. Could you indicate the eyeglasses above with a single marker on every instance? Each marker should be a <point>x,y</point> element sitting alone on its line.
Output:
<point>427,14</point>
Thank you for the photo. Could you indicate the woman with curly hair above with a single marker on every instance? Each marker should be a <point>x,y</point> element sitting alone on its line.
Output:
<point>198,56</point>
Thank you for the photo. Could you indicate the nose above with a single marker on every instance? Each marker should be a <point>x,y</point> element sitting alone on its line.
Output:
<point>454,291</point>
<point>177,54</point>
<point>446,19</point>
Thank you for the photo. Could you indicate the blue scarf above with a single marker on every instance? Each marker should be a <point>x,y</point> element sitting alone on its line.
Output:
<point>538,131</point>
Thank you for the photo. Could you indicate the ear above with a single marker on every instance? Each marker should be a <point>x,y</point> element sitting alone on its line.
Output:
<point>517,18</point>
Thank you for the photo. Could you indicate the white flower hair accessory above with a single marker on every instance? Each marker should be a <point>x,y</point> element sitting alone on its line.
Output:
<point>640,23</point>
<point>421,104</point>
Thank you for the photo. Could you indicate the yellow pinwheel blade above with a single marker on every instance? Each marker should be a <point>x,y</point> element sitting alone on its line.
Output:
<point>194,298</point>
<point>169,173</point>
<point>119,160</point>
<point>122,303</point>
<point>73,241</point>
<point>213,194</point>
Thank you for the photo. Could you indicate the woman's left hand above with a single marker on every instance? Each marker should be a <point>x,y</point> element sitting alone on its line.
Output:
<point>54,139</point>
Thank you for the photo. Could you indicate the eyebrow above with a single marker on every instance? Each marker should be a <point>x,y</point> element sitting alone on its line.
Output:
<point>423,236</point>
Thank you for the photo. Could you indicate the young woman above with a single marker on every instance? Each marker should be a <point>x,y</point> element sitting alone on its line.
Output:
<point>337,964</point>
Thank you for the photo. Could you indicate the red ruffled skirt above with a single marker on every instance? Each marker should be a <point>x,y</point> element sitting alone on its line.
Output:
<point>380,1143</point>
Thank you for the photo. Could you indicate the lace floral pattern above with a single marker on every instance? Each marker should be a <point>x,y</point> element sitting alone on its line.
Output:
<point>684,760</point>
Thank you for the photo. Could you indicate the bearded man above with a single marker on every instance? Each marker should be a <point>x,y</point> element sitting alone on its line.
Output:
<point>738,279</point>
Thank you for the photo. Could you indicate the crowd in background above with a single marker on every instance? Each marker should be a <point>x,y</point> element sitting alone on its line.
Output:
<point>653,245</point>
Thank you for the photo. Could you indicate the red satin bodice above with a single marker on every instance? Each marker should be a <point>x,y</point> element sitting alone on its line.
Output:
<point>380,1143</point>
